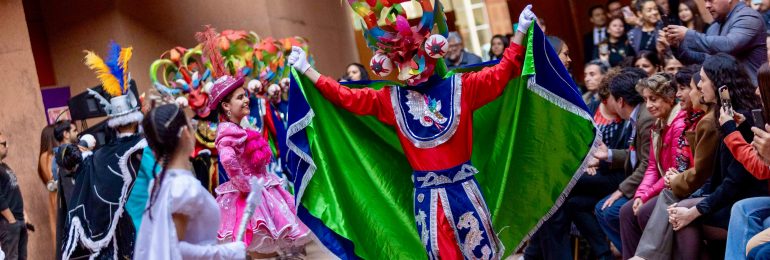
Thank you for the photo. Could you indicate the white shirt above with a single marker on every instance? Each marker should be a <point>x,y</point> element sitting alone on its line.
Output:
<point>599,35</point>
<point>632,121</point>
<point>181,193</point>
<point>634,114</point>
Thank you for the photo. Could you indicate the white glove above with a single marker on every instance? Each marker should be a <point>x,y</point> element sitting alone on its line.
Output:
<point>525,19</point>
<point>298,59</point>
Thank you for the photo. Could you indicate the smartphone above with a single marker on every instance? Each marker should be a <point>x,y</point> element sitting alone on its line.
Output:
<point>604,48</point>
<point>724,95</point>
<point>673,20</point>
<point>759,119</point>
<point>627,13</point>
<point>663,22</point>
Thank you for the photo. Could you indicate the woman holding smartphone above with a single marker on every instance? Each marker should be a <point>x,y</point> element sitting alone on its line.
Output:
<point>747,215</point>
<point>730,182</point>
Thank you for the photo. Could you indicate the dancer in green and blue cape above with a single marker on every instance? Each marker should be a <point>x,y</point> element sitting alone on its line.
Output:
<point>345,192</point>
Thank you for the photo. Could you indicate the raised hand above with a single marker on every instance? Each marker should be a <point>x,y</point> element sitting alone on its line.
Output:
<point>675,34</point>
<point>298,59</point>
<point>526,18</point>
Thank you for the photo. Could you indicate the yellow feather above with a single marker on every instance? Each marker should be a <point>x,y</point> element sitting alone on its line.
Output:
<point>125,56</point>
<point>110,84</point>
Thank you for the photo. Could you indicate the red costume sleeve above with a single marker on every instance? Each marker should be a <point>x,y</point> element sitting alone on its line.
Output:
<point>360,101</point>
<point>486,85</point>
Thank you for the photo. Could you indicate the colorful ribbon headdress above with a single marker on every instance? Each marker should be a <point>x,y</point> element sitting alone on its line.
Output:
<point>414,49</point>
<point>187,74</point>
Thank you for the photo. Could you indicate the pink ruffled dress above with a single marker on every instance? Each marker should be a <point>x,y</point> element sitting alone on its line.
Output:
<point>274,226</point>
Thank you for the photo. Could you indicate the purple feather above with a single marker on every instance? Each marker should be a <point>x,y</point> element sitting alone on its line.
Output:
<point>112,63</point>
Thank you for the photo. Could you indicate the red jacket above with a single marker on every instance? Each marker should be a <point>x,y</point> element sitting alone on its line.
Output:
<point>747,156</point>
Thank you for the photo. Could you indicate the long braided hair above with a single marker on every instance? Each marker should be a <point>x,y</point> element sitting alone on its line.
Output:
<point>162,128</point>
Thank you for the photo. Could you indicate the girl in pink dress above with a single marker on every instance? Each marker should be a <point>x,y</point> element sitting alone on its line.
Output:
<point>274,227</point>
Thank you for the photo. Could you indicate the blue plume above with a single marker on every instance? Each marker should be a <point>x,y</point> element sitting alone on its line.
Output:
<point>246,70</point>
<point>196,83</point>
<point>185,87</point>
<point>112,62</point>
<point>165,89</point>
<point>206,74</point>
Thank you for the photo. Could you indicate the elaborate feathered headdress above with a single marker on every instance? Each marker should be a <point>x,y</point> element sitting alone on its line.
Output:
<point>183,76</point>
<point>188,74</point>
<point>415,50</point>
<point>122,107</point>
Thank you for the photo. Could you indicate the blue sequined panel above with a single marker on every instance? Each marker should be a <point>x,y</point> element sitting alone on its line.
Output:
<point>428,115</point>
<point>464,208</point>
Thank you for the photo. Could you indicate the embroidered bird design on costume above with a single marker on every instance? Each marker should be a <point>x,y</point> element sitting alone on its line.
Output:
<point>425,109</point>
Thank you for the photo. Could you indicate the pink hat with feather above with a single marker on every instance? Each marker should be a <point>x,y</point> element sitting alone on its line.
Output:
<point>223,86</point>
